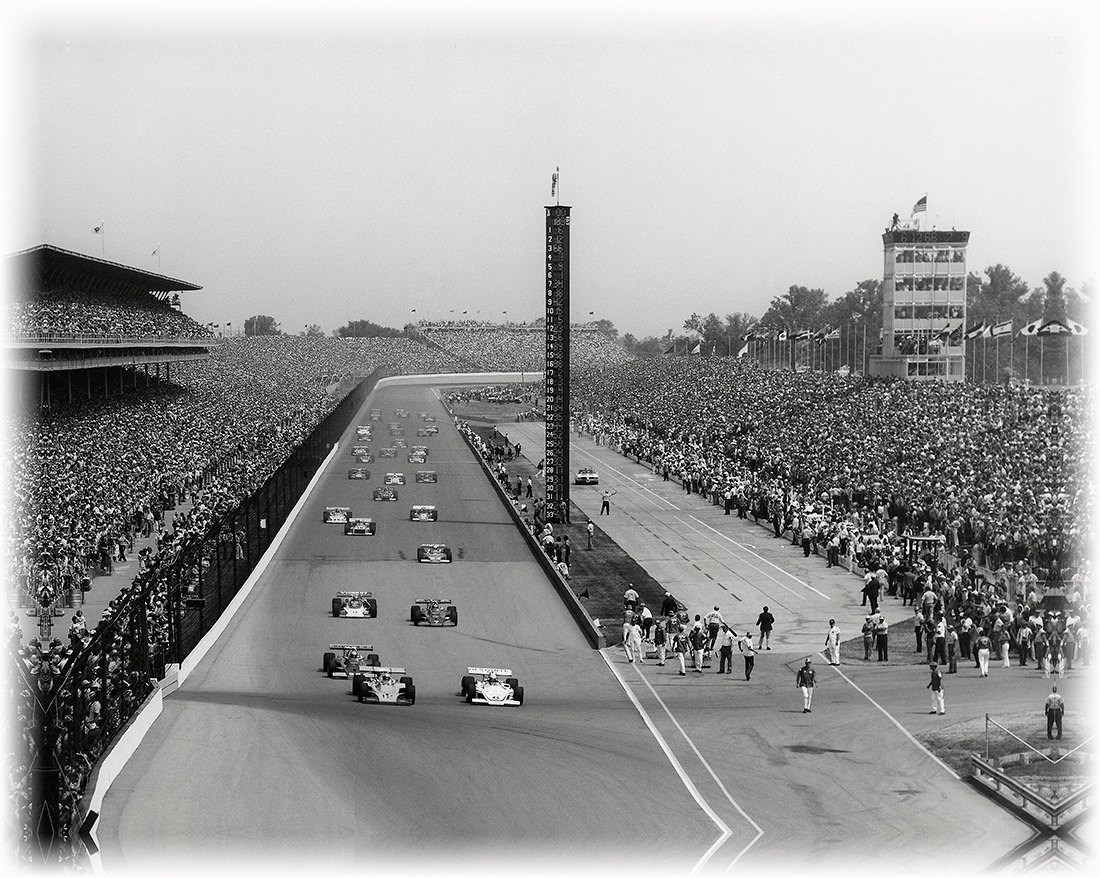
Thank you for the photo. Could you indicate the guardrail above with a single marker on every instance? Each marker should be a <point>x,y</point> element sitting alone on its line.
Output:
<point>1026,800</point>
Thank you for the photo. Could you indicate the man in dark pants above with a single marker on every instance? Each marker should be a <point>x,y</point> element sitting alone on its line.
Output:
<point>1054,709</point>
<point>744,644</point>
<point>882,634</point>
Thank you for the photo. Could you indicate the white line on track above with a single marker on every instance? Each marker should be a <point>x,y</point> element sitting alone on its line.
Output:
<point>689,785</point>
<point>745,548</point>
<point>782,585</point>
<point>635,483</point>
<point>902,728</point>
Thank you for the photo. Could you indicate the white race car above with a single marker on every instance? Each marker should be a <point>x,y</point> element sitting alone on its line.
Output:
<point>359,473</point>
<point>363,431</point>
<point>395,478</point>
<point>424,513</point>
<point>353,657</point>
<point>493,686</point>
<point>434,553</point>
<point>383,686</point>
<point>354,605</point>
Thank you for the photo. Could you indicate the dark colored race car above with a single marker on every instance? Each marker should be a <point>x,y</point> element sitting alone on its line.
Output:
<point>387,452</point>
<point>429,418</point>
<point>354,605</point>
<point>359,473</point>
<point>385,493</point>
<point>433,611</point>
<point>383,686</point>
<point>423,431</point>
<point>418,457</point>
<point>401,413</point>
<point>376,414</point>
<point>433,553</point>
<point>336,514</point>
<point>395,478</point>
<point>432,429</point>
<point>399,443</point>
<point>423,513</point>
<point>359,527</point>
<point>427,476</point>
<point>352,657</point>
<point>422,415</point>
<point>359,450</point>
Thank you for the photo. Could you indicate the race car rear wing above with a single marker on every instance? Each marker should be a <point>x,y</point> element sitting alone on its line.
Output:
<point>433,600</point>
<point>376,670</point>
<point>354,594</point>
<point>507,672</point>
<point>349,646</point>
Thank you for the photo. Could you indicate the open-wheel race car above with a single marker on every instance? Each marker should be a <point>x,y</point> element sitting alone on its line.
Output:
<point>385,493</point>
<point>423,513</point>
<point>383,686</point>
<point>422,415</point>
<point>359,527</point>
<point>432,429</point>
<point>336,514</point>
<point>418,457</point>
<point>347,658</point>
<point>433,553</point>
<point>494,686</point>
<point>359,473</point>
<point>401,413</point>
<point>376,414</point>
<point>423,431</point>
<point>399,443</point>
<point>354,605</point>
<point>395,478</point>
<point>427,476</point>
<point>363,431</point>
<point>433,611</point>
<point>387,452</point>
<point>358,450</point>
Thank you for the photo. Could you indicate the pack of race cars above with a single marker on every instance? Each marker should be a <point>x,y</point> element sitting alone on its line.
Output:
<point>371,681</point>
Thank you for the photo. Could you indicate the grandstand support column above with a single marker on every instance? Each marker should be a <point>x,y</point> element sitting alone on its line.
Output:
<point>557,363</point>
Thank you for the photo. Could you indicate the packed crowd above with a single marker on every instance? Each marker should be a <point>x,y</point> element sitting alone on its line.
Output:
<point>1000,472</point>
<point>73,312</point>
<point>522,347</point>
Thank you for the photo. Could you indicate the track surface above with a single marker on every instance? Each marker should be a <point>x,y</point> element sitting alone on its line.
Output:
<point>261,756</point>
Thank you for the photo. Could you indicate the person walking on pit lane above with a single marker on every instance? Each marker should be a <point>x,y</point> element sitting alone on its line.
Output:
<point>744,644</point>
<point>605,502</point>
<point>832,643</point>
<point>935,685</point>
<point>806,679</point>
<point>984,645</point>
<point>1054,708</point>
<point>660,640</point>
<point>698,641</point>
<point>725,649</point>
<point>680,648</point>
<point>714,622</point>
<point>764,622</point>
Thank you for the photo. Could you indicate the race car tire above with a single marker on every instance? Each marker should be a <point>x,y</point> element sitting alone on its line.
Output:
<point>372,608</point>
<point>410,693</point>
<point>373,660</point>
<point>467,684</point>
<point>356,686</point>
<point>329,662</point>
<point>517,693</point>
<point>416,613</point>
<point>452,615</point>
<point>513,682</point>
<point>470,692</point>
<point>406,681</point>
<point>337,605</point>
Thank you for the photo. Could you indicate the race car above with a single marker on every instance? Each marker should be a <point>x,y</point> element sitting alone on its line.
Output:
<point>385,494</point>
<point>423,513</point>
<point>420,449</point>
<point>418,457</point>
<point>395,478</point>
<point>396,433</point>
<point>354,605</point>
<point>586,476</point>
<point>423,431</point>
<point>429,419</point>
<point>359,527</point>
<point>399,443</point>
<point>363,431</point>
<point>433,553</point>
<point>359,473</point>
<point>376,414</point>
<point>383,686</point>
<point>393,425</point>
<point>494,686</point>
<point>387,452</point>
<point>432,429</point>
<point>364,458</point>
<point>360,450</point>
<point>426,476</point>
<point>433,611</point>
<point>336,514</point>
<point>401,413</point>
<point>422,415</point>
<point>353,657</point>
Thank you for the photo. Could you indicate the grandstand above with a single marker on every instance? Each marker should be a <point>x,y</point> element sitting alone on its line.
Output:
<point>77,326</point>
<point>519,346</point>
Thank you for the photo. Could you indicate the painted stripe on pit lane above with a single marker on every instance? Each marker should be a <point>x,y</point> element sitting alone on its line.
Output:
<point>638,486</point>
<point>745,548</point>
<point>688,784</point>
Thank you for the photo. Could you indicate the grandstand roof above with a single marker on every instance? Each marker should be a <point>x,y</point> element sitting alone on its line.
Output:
<point>38,263</point>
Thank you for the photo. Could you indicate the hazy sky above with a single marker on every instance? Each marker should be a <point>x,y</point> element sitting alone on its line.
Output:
<point>326,167</point>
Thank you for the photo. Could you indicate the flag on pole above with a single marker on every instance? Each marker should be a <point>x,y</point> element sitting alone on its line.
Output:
<point>156,250</point>
<point>921,206</point>
<point>987,330</point>
<point>1000,329</point>
<point>743,351</point>
<point>833,335</point>
<point>975,331</point>
<point>554,183</point>
<point>1076,328</point>
<point>695,350</point>
<point>1054,327</point>
<point>1032,328</point>
<point>944,333</point>
<point>801,335</point>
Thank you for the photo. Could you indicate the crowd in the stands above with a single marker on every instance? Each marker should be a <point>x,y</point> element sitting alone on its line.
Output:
<point>522,347</point>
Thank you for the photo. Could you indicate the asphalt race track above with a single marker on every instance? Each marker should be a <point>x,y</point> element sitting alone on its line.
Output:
<point>260,758</point>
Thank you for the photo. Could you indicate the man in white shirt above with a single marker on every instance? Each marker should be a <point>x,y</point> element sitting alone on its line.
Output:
<point>832,643</point>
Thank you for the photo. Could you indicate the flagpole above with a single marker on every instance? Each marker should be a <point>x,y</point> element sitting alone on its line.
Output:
<point>983,359</point>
